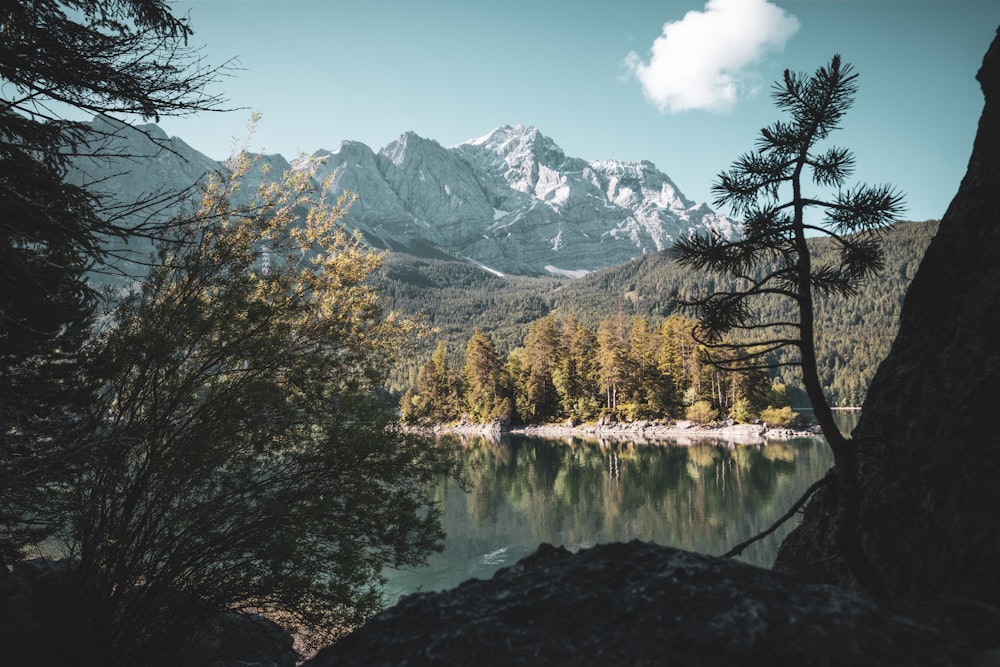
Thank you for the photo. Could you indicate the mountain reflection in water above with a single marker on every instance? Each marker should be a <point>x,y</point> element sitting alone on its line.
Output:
<point>522,491</point>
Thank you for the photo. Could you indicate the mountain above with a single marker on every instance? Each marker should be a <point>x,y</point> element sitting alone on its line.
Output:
<point>511,201</point>
<point>140,174</point>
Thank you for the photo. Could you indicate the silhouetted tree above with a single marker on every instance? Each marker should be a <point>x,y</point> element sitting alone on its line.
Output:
<point>60,59</point>
<point>772,190</point>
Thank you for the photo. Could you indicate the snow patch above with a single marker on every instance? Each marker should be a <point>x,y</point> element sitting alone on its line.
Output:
<point>484,267</point>
<point>568,273</point>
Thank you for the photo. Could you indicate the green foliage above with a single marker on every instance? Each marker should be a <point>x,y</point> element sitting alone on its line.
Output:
<point>779,417</point>
<point>743,411</point>
<point>454,299</point>
<point>436,398</point>
<point>628,370</point>
<point>539,360</point>
<point>612,361</point>
<point>575,376</point>
<point>488,396</point>
<point>701,412</point>
<point>854,334</point>
<point>245,461</point>
<point>778,397</point>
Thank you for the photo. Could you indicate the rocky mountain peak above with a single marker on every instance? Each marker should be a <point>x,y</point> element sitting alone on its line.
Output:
<point>519,140</point>
<point>350,149</point>
<point>511,200</point>
<point>410,146</point>
<point>518,155</point>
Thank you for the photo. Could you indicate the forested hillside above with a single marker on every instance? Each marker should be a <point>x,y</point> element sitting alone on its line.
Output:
<point>456,298</point>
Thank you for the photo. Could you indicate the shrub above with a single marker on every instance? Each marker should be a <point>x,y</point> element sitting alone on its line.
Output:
<point>779,417</point>
<point>702,412</point>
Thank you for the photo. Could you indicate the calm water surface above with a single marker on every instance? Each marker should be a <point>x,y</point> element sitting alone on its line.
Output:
<point>706,497</point>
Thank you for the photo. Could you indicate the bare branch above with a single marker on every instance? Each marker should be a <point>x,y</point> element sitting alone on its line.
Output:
<point>792,511</point>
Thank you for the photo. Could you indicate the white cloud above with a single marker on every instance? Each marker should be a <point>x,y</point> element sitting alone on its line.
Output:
<point>702,61</point>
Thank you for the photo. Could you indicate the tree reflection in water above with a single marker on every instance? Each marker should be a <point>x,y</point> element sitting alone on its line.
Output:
<point>706,497</point>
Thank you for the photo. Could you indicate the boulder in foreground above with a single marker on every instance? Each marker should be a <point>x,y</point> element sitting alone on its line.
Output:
<point>639,604</point>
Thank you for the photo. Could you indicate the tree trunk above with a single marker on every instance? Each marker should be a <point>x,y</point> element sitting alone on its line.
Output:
<point>845,461</point>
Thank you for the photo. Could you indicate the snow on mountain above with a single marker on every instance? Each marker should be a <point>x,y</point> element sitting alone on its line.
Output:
<point>511,200</point>
<point>577,214</point>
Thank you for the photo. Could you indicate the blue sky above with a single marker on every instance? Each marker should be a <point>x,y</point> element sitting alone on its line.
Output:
<point>682,83</point>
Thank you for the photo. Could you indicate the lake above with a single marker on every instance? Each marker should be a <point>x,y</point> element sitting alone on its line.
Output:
<point>522,491</point>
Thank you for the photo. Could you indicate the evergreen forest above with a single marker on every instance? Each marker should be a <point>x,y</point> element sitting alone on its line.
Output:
<point>456,299</point>
<point>623,371</point>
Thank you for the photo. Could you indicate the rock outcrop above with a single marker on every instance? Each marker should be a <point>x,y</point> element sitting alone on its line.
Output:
<point>928,442</point>
<point>638,604</point>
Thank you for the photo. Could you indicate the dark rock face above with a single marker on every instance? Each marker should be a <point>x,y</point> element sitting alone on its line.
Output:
<point>638,604</point>
<point>928,437</point>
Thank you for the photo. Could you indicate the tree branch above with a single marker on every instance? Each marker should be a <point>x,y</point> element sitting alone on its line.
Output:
<point>816,486</point>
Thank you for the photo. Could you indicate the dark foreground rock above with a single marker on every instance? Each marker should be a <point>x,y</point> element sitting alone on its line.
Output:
<point>32,592</point>
<point>639,604</point>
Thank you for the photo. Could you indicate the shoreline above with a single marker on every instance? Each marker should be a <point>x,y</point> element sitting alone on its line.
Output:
<point>642,432</point>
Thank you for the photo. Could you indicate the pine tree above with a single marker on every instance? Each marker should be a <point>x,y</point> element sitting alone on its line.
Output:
<point>575,377</point>
<point>487,396</point>
<point>612,360</point>
<point>771,189</point>
<point>117,59</point>
<point>436,398</point>
<point>540,358</point>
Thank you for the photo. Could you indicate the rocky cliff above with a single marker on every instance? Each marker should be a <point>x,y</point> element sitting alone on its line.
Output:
<point>929,446</point>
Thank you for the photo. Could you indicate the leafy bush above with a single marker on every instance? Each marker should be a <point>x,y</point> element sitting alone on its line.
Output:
<point>702,412</point>
<point>245,460</point>
<point>779,417</point>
